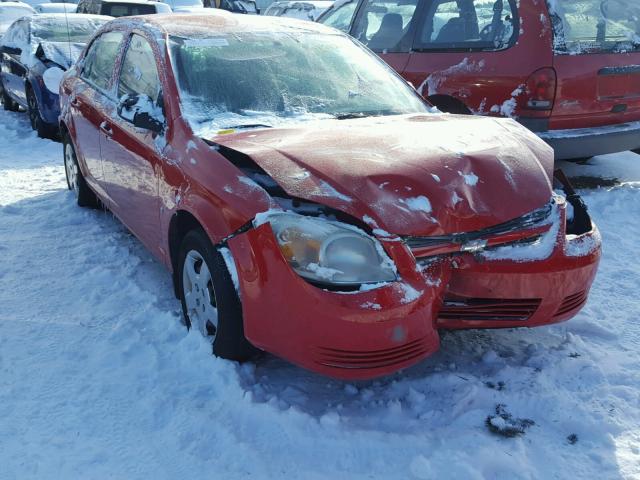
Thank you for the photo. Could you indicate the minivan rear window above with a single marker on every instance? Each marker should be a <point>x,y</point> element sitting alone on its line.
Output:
<point>595,26</point>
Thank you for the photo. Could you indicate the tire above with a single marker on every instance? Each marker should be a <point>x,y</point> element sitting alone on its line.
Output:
<point>75,180</point>
<point>7,103</point>
<point>42,128</point>
<point>206,291</point>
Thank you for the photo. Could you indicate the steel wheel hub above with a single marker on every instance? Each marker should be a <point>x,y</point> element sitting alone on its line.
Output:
<point>199,296</point>
<point>71,168</point>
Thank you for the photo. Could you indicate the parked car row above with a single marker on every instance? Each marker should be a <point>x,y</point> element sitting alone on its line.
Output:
<point>308,201</point>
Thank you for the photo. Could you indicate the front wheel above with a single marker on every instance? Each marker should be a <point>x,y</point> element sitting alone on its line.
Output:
<point>75,180</point>
<point>210,303</point>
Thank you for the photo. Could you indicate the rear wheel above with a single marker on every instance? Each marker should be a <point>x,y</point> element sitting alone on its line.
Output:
<point>210,303</point>
<point>75,180</point>
<point>43,129</point>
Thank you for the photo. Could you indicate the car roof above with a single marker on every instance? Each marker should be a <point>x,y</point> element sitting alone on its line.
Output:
<point>26,6</point>
<point>187,24</point>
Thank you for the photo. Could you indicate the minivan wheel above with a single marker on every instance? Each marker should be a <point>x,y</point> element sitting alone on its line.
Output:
<point>75,180</point>
<point>210,303</point>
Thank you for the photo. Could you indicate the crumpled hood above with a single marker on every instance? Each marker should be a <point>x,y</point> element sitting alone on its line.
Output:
<point>64,54</point>
<point>408,175</point>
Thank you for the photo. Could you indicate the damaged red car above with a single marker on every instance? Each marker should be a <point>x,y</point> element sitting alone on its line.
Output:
<point>308,201</point>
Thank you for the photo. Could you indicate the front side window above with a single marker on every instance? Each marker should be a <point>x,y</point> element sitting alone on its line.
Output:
<point>384,25</point>
<point>339,16</point>
<point>594,26</point>
<point>468,25</point>
<point>100,59</point>
<point>247,78</point>
<point>139,73</point>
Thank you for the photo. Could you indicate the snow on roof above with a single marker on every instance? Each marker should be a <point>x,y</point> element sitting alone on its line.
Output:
<point>221,21</point>
<point>26,6</point>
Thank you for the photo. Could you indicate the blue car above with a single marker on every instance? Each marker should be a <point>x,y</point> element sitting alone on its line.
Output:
<point>35,53</point>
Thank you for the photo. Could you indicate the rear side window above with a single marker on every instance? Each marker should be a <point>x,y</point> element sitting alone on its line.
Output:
<point>100,59</point>
<point>486,25</point>
<point>127,9</point>
<point>595,26</point>
<point>385,25</point>
<point>139,74</point>
<point>340,17</point>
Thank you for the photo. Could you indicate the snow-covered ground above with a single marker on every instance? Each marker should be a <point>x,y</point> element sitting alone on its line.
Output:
<point>99,379</point>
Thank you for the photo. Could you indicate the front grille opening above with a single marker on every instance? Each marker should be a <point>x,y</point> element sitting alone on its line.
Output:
<point>488,309</point>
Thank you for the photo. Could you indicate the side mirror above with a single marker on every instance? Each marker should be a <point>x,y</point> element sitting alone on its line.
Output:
<point>142,112</point>
<point>11,50</point>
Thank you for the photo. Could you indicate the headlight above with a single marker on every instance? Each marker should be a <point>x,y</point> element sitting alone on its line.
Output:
<point>330,252</point>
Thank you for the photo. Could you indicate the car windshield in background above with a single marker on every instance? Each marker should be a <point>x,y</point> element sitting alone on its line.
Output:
<point>8,15</point>
<point>339,16</point>
<point>76,30</point>
<point>594,26</point>
<point>273,78</point>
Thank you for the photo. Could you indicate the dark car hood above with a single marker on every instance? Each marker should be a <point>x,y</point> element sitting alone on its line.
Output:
<point>409,175</point>
<point>64,54</point>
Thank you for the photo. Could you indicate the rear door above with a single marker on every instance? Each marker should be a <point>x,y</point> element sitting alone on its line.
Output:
<point>597,60</point>
<point>88,100</point>
<point>475,55</point>
<point>387,27</point>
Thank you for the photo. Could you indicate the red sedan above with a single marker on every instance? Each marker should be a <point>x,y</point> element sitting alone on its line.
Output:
<point>307,200</point>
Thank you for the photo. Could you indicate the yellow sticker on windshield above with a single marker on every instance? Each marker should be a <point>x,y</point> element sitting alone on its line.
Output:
<point>226,132</point>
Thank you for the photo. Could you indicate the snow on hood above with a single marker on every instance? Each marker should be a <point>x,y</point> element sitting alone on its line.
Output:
<point>64,54</point>
<point>410,174</point>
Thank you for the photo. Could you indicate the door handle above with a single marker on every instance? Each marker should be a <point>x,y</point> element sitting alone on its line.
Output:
<point>106,129</point>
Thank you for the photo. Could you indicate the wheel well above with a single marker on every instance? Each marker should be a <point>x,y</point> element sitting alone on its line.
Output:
<point>64,131</point>
<point>181,223</point>
<point>449,104</point>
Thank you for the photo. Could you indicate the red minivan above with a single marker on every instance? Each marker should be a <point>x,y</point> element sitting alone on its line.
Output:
<point>569,70</point>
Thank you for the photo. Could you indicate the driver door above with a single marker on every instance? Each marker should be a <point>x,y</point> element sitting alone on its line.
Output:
<point>132,156</point>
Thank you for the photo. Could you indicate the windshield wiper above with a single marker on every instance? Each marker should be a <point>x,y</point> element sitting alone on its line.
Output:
<point>247,125</point>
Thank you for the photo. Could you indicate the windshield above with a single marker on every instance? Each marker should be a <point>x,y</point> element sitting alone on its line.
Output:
<point>594,26</point>
<point>75,30</point>
<point>8,15</point>
<point>273,78</point>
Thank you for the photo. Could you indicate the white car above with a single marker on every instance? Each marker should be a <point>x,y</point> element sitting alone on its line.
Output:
<point>302,10</point>
<point>56,8</point>
<point>11,11</point>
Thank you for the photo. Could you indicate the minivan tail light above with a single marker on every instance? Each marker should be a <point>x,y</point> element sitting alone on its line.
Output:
<point>541,89</point>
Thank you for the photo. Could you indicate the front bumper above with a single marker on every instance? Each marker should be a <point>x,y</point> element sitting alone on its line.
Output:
<point>588,142</point>
<point>365,334</point>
